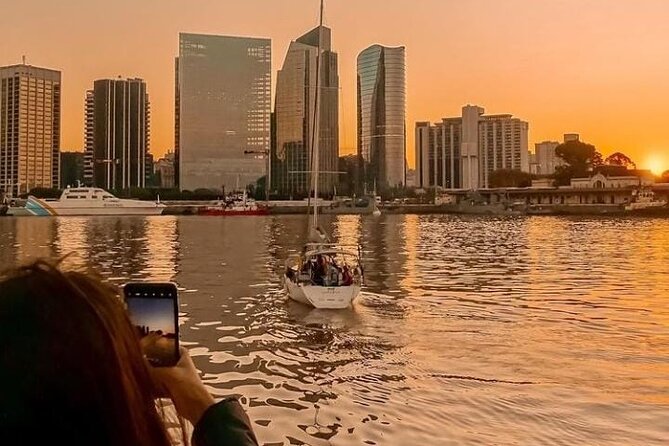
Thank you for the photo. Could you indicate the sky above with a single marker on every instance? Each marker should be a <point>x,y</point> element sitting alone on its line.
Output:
<point>599,68</point>
<point>157,314</point>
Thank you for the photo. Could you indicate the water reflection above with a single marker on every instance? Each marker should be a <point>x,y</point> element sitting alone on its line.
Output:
<point>488,330</point>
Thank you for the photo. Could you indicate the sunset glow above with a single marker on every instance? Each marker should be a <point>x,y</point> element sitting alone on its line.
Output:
<point>591,67</point>
<point>657,164</point>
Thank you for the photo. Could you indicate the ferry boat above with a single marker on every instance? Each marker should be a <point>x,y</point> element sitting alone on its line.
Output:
<point>235,207</point>
<point>645,200</point>
<point>90,201</point>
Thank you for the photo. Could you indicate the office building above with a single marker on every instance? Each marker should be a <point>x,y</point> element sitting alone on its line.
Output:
<point>117,134</point>
<point>411,178</point>
<point>29,128</point>
<point>164,170</point>
<point>222,105</point>
<point>382,114</point>
<point>461,153</point>
<point>294,115</point>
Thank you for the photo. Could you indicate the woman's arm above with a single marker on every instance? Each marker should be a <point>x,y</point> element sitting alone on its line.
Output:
<point>222,423</point>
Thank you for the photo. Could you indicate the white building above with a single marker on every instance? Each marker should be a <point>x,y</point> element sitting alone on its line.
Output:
<point>601,181</point>
<point>165,168</point>
<point>545,158</point>
<point>462,153</point>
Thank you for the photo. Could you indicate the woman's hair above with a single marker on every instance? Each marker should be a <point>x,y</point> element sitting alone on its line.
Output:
<point>71,368</point>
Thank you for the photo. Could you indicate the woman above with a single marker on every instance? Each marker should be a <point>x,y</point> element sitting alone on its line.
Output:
<point>71,370</point>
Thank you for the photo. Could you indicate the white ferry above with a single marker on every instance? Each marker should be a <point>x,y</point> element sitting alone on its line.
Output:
<point>90,201</point>
<point>644,199</point>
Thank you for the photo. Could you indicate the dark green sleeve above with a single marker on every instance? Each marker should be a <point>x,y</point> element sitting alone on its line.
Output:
<point>224,424</point>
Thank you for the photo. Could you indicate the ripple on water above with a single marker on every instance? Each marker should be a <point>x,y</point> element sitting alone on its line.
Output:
<point>478,330</point>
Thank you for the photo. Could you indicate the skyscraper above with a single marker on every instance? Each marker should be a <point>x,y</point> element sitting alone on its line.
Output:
<point>381,114</point>
<point>222,105</point>
<point>117,134</point>
<point>29,128</point>
<point>461,153</point>
<point>294,114</point>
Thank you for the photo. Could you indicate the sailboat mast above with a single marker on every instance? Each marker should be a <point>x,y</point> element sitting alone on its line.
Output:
<point>316,125</point>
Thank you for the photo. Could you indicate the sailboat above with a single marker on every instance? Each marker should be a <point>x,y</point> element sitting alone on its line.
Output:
<point>325,275</point>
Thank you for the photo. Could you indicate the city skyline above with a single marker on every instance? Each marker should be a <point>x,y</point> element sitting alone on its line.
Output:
<point>565,67</point>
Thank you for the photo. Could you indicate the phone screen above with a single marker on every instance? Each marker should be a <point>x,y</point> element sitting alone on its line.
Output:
<point>154,311</point>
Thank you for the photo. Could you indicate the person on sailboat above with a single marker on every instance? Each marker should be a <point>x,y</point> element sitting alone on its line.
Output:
<point>346,277</point>
<point>320,270</point>
<point>332,278</point>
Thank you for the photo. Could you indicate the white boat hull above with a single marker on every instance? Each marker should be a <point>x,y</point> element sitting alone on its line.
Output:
<point>38,207</point>
<point>109,211</point>
<point>647,205</point>
<point>323,297</point>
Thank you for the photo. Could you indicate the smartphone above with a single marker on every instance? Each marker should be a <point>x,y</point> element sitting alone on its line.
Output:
<point>154,311</point>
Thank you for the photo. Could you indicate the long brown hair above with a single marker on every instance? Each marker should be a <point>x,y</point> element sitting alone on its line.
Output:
<point>70,364</point>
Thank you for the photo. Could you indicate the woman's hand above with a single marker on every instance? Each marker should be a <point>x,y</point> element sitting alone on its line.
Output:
<point>182,383</point>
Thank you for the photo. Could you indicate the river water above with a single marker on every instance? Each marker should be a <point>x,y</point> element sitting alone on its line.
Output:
<point>533,331</point>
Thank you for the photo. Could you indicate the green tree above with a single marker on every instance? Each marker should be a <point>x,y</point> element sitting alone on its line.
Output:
<point>580,159</point>
<point>44,192</point>
<point>510,178</point>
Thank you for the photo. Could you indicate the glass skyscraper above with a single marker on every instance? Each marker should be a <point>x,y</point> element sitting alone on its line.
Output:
<point>222,105</point>
<point>29,128</point>
<point>382,115</point>
<point>294,116</point>
<point>117,134</point>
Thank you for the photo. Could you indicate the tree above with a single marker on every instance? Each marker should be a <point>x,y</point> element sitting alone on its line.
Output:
<point>510,178</point>
<point>44,192</point>
<point>664,178</point>
<point>620,159</point>
<point>580,159</point>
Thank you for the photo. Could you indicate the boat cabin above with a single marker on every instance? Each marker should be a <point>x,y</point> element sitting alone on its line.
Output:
<point>326,266</point>
<point>87,193</point>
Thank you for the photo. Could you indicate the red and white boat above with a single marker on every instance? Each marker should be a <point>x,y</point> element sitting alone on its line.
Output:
<point>235,207</point>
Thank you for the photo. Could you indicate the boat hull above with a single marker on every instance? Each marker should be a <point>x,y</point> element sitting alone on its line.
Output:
<point>232,213</point>
<point>43,208</point>
<point>654,211</point>
<point>322,297</point>
<point>108,211</point>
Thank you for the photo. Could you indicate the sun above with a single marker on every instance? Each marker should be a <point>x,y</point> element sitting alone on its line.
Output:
<point>656,165</point>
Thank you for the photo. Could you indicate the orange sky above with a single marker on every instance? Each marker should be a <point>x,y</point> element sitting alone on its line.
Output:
<point>596,67</point>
